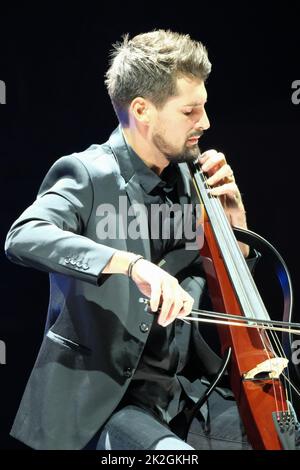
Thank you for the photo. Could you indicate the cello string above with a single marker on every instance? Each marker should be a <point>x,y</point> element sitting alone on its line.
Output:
<point>224,226</point>
<point>263,336</point>
<point>273,381</point>
<point>241,257</point>
<point>232,245</point>
<point>221,315</point>
<point>236,323</point>
<point>268,332</point>
<point>237,258</point>
<point>245,319</point>
<point>218,214</point>
<point>291,384</point>
<point>287,386</point>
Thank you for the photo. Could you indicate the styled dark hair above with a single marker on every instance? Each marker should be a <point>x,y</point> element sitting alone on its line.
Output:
<point>149,64</point>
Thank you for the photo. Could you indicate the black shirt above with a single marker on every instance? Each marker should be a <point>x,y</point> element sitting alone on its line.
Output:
<point>159,384</point>
<point>155,385</point>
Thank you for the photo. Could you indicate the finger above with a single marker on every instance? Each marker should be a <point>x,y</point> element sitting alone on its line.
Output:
<point>202,158</point>
<point>155,296</point>
<point>207,155</point>
<point>229,189</point>
<point>187,307</point>
<point>166,305</point>
<point>174,311</point>
<point>215,160</point>
<point>182,307</point>
<point>225,172</point>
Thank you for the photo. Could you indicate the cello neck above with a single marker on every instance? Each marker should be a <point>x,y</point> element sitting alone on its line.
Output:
<point>246,291</point>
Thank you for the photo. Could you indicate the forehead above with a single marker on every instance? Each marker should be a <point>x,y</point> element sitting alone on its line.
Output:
<point>190,92</point>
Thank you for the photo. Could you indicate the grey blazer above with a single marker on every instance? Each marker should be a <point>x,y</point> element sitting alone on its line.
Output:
<point>96,328</point>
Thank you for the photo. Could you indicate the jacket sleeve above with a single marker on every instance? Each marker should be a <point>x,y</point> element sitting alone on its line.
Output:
<point>48,234</point>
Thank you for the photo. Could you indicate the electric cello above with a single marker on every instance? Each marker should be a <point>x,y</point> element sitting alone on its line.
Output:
<point>257,365</point>
<point>252,354</point>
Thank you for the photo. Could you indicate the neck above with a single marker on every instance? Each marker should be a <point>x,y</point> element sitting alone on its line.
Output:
<point>145,149</point>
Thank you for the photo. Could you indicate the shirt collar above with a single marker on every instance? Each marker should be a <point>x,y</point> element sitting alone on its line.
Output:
<point>148,178</point>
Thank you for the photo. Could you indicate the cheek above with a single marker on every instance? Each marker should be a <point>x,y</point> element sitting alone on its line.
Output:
<point>179,134</point>
<point>173,129</point>
<point>179,128</point>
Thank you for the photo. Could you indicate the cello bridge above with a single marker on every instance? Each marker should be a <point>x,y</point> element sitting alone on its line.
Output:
<point>269,369</point>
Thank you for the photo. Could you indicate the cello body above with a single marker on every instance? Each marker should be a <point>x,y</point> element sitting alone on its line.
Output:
<point>256,399</point>
<point>259,392</point>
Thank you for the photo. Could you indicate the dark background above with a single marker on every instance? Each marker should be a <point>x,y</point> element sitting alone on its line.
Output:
<point>53,59</point>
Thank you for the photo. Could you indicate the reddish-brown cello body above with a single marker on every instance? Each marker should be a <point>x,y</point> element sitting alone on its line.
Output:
<point>257,400</point>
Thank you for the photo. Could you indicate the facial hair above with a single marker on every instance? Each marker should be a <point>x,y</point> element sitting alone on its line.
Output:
<point>185,154</point>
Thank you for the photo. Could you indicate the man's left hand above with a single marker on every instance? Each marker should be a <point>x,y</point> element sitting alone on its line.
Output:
<point>222,183</point>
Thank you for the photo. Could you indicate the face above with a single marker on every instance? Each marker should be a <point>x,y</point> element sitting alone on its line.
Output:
<point>177,127</point>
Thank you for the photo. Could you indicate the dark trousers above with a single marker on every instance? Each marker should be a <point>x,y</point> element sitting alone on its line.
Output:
<point>132,428</point>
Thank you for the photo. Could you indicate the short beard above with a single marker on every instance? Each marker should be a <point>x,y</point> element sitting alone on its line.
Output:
<point>188,155</point>
<point>185,155</point>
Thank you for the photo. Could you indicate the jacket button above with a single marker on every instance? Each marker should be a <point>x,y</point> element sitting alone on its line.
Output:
<point>144,327</point>
<point>128,372</point>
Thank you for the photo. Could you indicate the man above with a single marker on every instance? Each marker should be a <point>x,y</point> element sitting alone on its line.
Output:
<point>111,374</point>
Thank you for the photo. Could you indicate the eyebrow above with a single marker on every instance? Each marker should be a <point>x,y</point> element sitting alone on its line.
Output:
<point>195,104</point>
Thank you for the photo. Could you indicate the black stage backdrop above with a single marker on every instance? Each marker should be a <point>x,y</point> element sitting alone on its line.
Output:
<point>52,62</point>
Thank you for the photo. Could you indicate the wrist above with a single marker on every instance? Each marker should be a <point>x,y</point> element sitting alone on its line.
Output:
<point>132,265</point>
<point>239,219</point>
<point>237,216</point>
<point>119,262</point>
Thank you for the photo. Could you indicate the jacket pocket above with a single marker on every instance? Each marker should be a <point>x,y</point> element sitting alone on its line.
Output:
<point>68,343</point>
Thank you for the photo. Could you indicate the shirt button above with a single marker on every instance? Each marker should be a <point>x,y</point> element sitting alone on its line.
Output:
<point>128,372</point>
<point>144,327</point>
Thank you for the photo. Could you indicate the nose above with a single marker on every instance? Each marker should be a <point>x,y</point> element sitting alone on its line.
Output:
<point>203,122</point>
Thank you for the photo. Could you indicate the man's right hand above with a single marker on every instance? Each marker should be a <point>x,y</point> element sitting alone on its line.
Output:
<point>164,291</point>
<point>162,288</point>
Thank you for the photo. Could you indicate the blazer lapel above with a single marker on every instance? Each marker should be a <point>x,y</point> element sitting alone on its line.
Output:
<point>137,215</point>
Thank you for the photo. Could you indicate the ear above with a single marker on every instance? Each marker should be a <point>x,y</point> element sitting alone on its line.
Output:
<point>140,109</point>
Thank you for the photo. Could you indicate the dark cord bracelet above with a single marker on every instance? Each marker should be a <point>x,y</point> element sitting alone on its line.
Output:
<point>131,264</point>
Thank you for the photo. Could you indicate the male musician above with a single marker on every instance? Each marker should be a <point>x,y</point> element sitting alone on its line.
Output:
<point>111,374</point>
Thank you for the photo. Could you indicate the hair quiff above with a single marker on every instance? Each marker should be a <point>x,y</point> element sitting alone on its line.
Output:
<point>149,64</point>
